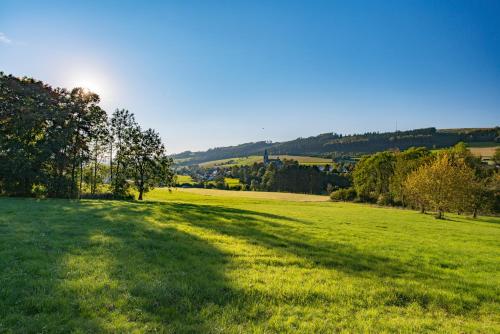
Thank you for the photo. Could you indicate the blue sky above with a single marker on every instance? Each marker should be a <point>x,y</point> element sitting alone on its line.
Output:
<point>215,73</point>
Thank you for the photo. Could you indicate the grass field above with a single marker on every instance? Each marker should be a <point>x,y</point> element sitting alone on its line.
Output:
<point>257,195</point>
<point>257,158</point>
<point>485,152</point>
<point>182,179</point>
<point>186,262</point>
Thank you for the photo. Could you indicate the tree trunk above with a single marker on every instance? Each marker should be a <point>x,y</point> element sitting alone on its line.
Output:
<point>94,185</point>
<point>141,186</point>
<point>439,214</point>
<point>111,164</point>
<point>81,180</point>
<point>73,180</point>
<point>422,209</point>
<point>474,213</point>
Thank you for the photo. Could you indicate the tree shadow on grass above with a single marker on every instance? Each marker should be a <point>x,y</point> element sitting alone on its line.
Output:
<point>101,267</point>
<point>269,231</point>
<point>96,266</point>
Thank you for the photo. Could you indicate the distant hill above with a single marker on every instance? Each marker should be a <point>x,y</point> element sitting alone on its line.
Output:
<point>328,145</point>
<point>249,160</point>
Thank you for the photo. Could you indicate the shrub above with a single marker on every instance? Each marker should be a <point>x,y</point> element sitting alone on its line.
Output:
<point>384,199</point>
<point>39,191</point>
<point>347,194</point>
<point>127,196</point>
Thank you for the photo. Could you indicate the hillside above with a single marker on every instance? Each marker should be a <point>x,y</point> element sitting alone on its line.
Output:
<point>190,263</point>
<point>303,160</point>
<point>332,144</point>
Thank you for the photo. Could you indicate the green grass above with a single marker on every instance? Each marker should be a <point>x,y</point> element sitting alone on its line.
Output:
<point>182,179</point>
<point>184,262</point>
<point>231,181</point>
<point>250,160</point>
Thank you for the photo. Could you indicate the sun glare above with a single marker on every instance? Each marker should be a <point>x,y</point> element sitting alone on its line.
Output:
<point>90,84</point>
<point>93,82</point>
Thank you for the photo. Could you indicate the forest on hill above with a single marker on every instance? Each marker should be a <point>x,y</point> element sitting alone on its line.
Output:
<point>333,144</point>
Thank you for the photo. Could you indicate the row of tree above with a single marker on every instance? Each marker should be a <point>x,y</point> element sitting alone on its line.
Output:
<point>288,177</point>
<point>60,143</point>
<point>449,180</point>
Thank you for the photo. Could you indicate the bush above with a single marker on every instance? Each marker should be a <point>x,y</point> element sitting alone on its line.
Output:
<point>384,199</point>
<point>347,194</point>
<point>235,187</point>
<point>39,191</point>
<point>128,196</point>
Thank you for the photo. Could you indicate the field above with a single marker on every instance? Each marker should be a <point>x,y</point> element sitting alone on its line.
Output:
<point>257,195</point>
<point>185,262</point>
<point>485,152</point>
<point>184,179</point>
<point>483,149</point>
<point>257,158</point>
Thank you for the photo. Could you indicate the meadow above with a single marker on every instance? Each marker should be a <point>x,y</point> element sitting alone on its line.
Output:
<point>184,262</point>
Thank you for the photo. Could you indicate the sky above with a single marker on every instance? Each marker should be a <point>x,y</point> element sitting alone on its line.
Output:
<point>218,73</point>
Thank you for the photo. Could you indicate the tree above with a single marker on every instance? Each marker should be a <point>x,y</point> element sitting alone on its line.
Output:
<point>480,195</point>
<point>146,161</point>
<point>123,129</point>
<point>372,175</point>
<point>24,105</point>
<point>440,185</point>
<point>405,163</point>
<point>496,156</point>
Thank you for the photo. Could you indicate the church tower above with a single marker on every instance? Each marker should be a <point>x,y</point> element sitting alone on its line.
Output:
<point>266,157</point>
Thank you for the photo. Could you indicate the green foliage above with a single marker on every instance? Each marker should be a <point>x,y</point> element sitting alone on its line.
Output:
<point>347,194</point>
<point>372,175</point>
<point>53,143</point>
<point>496,156</point>
<point>186,263</point>
<point>444,184</point>
<point>288,177</point>
<point>406,162</point>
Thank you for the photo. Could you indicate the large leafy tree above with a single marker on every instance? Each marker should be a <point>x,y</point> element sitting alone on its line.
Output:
<point>405,163</point>
<point>123,128</point>
<point>146,161</point>
<point>26,106</point>
<point>441,185</point>
<point>373,174</point>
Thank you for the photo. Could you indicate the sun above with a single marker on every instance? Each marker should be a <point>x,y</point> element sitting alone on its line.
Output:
<point>93,81</point>
<point>89,84</point>
<point>92,84</point>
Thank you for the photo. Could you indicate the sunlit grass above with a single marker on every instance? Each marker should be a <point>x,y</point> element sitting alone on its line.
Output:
<point>183,179</point>
<point>186,262</point>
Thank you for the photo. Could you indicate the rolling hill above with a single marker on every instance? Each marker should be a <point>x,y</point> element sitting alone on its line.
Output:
<point>328,145</point>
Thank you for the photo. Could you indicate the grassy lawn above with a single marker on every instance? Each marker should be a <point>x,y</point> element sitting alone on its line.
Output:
<point>186,262</point>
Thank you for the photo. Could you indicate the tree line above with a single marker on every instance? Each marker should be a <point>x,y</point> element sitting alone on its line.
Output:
<point>449,180</point>
<point>333,144</point>
<point>289,176</point>
<point>56,142</point>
